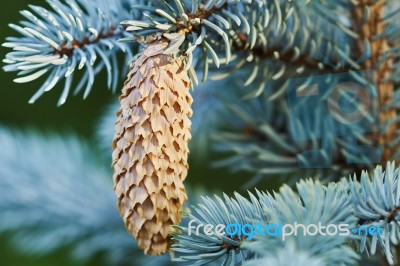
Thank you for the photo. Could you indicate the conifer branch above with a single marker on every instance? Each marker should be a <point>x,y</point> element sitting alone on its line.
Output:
<point>258,138</point>
<point>368,21</point>
<point>50,197</point>
<point>74,35</point>
<point>312,204</point>
<point>251,31</point>
<point>369,202</point>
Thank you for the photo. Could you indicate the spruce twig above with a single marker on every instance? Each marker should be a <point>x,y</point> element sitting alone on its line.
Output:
<point>367,19</point>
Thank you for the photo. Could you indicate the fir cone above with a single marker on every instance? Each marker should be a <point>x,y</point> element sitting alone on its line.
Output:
<point>151,147</point>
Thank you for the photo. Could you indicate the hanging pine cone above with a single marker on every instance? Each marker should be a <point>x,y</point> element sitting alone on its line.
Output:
<point>151,146</point>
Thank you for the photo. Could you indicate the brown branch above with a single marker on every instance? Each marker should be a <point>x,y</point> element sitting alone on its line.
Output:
<point>368,30</point>
<point>289,57</point>
<point>77,44</point>
<point>200,14</point>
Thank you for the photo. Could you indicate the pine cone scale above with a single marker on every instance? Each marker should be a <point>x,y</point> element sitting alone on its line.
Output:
<point>151,147</point>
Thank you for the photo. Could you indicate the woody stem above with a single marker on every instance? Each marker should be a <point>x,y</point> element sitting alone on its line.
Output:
<point>368,29</point>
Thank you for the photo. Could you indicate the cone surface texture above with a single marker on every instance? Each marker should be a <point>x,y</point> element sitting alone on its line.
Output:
<point>151,147</point>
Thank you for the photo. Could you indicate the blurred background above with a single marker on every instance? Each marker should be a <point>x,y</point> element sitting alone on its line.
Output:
<point>76,115</point>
